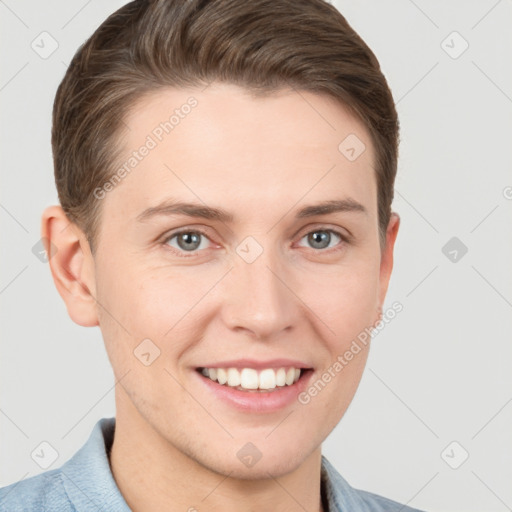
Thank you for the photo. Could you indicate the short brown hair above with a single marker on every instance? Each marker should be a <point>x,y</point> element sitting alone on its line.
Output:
<point>261,45</point>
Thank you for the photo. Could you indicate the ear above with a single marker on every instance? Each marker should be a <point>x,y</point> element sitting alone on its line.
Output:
<point>386,261</point>
<point>71,265</point>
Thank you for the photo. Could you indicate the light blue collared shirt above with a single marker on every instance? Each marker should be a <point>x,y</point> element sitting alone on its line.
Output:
<point>85,484</point>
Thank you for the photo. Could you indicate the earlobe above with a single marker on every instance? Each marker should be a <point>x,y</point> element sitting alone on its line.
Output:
<point>71,265</point>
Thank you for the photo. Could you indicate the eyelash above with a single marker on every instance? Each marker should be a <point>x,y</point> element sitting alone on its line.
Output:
<point>182,254</point>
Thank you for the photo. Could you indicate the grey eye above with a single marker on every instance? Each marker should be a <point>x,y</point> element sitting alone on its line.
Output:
<point>187,240</point>
<point>321,238</point>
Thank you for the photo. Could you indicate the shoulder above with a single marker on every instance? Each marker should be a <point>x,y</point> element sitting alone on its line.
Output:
<point>341,495</point>
<point>37,493</point>
<point>84,482</point>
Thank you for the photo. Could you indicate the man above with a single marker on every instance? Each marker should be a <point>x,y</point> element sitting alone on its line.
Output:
<point>225,173</point>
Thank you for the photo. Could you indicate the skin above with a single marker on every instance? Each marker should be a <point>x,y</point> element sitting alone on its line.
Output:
<point>261,159</point>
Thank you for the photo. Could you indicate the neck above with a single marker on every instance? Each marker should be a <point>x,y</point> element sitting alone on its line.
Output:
<point>152,474</point>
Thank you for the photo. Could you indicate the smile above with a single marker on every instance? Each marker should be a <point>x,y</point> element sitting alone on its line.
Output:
<point>250,379</point>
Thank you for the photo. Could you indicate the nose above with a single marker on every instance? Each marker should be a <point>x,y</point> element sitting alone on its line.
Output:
<point>258,299</point>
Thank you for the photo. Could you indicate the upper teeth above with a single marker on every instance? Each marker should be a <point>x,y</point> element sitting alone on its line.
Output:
<point>249,378</point>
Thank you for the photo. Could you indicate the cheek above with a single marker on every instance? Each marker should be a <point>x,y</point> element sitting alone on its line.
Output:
<point>139,303</point>
<point>345,301</point>
<point>347,305</point>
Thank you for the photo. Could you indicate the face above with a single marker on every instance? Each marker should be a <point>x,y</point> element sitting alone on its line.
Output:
<point>252,278</point>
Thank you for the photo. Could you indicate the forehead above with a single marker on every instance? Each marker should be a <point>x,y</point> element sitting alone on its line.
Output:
<point>281,149</point>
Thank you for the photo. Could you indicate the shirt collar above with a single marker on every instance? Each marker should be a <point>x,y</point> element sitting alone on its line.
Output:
<point>90,485</point>
<point>337,492</point>
<point>87,476</point>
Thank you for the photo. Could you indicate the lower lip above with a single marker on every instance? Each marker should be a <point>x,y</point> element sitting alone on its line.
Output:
<point>257,401</point>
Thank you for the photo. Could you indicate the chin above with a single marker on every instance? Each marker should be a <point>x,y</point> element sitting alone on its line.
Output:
<point>248,463</point>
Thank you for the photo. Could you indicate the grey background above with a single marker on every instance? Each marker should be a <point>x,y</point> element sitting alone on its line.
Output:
<point>438,373</point>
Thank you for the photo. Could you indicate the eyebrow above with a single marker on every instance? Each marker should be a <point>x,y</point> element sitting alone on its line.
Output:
<point>170,207</point>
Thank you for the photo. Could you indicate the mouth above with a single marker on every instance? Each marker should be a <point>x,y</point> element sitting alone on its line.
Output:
<point>252,380</point>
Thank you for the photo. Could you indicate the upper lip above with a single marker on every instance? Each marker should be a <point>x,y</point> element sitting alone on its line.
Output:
<point>253,363</point>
